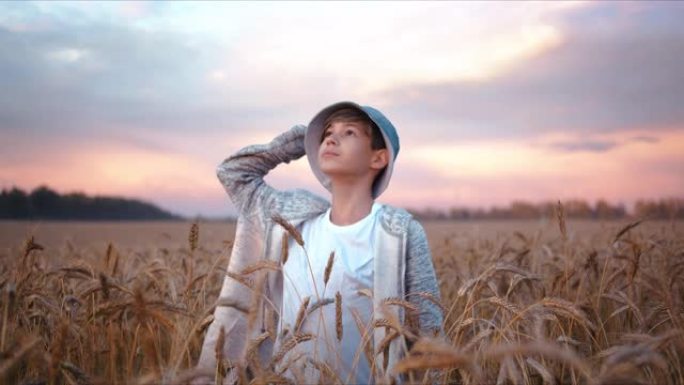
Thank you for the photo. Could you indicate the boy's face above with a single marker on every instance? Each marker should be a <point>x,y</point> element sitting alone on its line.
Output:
<point>346,152</point>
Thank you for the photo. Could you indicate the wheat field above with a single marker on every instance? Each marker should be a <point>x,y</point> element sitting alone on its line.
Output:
<point>525,302</point>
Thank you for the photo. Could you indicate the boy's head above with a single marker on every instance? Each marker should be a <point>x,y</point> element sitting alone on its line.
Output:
<point>348,122</point>
<point>354,115</point>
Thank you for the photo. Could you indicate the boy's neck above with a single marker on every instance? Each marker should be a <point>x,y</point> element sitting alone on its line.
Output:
<point>350,204</point>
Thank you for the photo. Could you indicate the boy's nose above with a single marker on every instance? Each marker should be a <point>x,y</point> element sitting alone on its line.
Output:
<point>331,138</point>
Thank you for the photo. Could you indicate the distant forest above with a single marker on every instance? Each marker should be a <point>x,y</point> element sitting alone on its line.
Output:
<point>44,203</point>
<point>666,208</point>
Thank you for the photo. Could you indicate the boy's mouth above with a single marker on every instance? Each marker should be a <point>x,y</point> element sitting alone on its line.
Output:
<point>329,153</point>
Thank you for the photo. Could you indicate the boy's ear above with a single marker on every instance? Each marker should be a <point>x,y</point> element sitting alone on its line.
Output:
<point>380,159</point>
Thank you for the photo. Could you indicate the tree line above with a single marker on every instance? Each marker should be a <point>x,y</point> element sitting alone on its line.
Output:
<point>665,208</point>
<point>44,203</point>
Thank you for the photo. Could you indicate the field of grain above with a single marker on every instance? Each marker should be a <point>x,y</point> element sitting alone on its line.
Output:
<point>525,302</point>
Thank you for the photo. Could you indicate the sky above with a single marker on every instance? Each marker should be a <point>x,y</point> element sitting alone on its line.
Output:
<point>494,102</point>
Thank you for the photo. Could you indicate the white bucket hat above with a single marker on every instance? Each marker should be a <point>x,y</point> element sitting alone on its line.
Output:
<point>314,133</point>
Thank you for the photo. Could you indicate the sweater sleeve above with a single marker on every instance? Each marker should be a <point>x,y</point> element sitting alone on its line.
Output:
<point>242,177</point>
<point>420,277</point>
<point>242,174</point>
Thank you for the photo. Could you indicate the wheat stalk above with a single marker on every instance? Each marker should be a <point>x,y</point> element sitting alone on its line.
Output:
<point>326,371</point>
<point>260,265</point>
<point>218,353</point>
<point>433,354</point>
<point>567,309</point>
<point>384,322</point>
<point>108,254</point>
<point>301,313</point>
<point>244,281</point>
<point>193,236</point>
<point>500,302</point>
<point>253,348</point>
<point>366,335</point>
<point>560,214</point>
<point>430,297</point>
<point>625,229</point>
<point>294,233</point>
<point>29,246</point>
<point>6,311</point>
<point>384,344</point>
<point>401,303</point>
<point>338,316</point>
<point>550,351</point>
<point>284,248</point>
<point>328,268</point>
<point>17,357</point>
<point>546,375</point>
<point>271,321</point>
<point>320,303</point>
<point>366,293</point>
<point>104,284</point>
<point>257,299</point>
<point>293,341</point>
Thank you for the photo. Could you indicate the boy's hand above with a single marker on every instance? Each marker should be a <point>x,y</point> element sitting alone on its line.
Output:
<point>299,130</point>
<point>296,132</point>
<point>290,144</point>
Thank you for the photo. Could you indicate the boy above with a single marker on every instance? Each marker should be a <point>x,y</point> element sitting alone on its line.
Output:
<point>352,252</point>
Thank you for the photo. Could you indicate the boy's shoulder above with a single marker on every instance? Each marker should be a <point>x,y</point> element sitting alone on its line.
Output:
<point>395,220</point>
<point>299,204</point>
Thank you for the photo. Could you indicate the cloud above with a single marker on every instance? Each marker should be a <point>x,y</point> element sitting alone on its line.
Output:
<point>586,145</point>
<point>92,76</point>
<point>491,102</point>
<point>489,173</point>
<point>645,139</point>
<point>607,75</point>
<point>110,168</point>
<point>596,142</point>
<point>398,43</point>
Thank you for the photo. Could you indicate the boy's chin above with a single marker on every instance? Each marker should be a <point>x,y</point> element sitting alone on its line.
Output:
<point>328,171</point>
<point>332,174</point>
<point>340,175</point>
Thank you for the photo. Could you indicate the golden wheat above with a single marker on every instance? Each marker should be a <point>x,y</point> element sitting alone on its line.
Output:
<point>301,313</point>
<point>599,303</point>
<point>294,233</point>
<point>328,268</point>
<point>338,316</point>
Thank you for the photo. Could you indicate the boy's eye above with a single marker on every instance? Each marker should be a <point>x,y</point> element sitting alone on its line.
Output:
<point>350,132</point>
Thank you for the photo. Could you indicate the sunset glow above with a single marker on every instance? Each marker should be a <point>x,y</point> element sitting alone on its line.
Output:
<point>494,101</point>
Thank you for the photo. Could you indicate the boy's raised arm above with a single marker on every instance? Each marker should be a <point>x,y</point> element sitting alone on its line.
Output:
<point>242,173</point>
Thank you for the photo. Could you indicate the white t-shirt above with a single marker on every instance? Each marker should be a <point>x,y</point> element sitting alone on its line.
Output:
<point>352,271</point>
